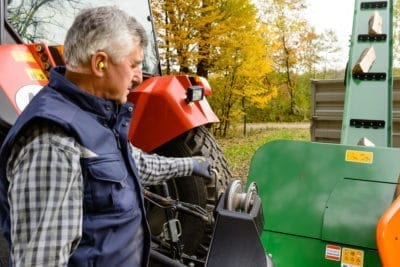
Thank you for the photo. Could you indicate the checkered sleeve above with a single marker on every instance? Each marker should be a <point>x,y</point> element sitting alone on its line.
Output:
<point>45,197</point>
<point>154,169</point>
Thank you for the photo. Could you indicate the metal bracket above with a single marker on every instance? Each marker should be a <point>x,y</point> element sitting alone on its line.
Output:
<point>172,230</point>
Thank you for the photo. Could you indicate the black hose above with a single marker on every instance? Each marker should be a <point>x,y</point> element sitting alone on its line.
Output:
<point>161,258</point>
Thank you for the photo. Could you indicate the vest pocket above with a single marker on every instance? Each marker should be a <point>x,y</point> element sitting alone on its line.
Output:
<point>107,188</point>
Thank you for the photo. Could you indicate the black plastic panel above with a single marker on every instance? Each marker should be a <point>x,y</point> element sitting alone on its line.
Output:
<point>375,124</point>
<point>374,5</point>
<point>372,37</point>
<point>370,76</point>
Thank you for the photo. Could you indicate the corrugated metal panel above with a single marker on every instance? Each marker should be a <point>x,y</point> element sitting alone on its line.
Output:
<point>327,110</point>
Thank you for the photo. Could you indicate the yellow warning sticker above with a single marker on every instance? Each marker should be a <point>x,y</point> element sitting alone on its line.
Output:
<point>359,156</point>
<point>352,257</point>
<point>22,56</point>
<point>36,74</point>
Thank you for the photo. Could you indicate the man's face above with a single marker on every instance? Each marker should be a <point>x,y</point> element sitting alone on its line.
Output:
<point>121,77</point>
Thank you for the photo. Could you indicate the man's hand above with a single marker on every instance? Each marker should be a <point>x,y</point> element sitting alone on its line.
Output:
<point>201,167</point>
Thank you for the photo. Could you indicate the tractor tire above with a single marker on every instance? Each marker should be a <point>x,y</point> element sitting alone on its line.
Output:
<point>4,252</point>
<point>196,234</point>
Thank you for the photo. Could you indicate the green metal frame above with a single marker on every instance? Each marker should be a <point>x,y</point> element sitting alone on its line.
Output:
<point>369,97</point>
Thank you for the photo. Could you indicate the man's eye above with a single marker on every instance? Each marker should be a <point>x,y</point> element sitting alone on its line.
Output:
<point>139,66</point>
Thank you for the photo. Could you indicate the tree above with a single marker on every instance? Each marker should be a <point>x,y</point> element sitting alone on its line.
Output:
<point>308,52</point>
<point>290,30</point>
<point>183,29</point>
<point>327,51</point>
<point>206,33</point>
<point>240,68</point>
<point>396,35</point>
<point>219,39</point>
<point>26,17</point>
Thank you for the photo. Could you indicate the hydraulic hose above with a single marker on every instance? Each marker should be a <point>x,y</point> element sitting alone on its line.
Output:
<point>168,262</point>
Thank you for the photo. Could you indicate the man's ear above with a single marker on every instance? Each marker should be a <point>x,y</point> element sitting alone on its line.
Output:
<point>98,63</point>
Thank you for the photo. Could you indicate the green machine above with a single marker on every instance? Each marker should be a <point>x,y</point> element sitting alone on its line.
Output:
<point>322,202</point>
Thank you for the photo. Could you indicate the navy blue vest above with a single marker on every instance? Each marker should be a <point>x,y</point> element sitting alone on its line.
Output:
<point>115,231</point>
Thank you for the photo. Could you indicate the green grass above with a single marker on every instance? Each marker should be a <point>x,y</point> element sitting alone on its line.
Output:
<point>239,150</point>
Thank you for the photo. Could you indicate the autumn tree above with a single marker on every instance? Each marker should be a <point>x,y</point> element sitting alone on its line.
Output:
<point>293,34</point>
<point>183,30</point>
<point>308,54</point>
<point>222,40</point>
<point>240,65</point>
<point>396,35</point>
<point>211,16</point>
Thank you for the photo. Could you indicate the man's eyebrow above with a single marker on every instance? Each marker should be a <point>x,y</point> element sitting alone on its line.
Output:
<point>137,61</point>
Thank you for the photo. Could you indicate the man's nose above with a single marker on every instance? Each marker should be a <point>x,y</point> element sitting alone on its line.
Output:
<point>137,77</point>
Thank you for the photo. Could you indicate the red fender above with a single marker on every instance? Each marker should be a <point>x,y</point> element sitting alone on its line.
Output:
<point>163,113</point>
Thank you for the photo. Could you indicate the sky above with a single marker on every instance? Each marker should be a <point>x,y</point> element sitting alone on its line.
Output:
<point>333,14</point>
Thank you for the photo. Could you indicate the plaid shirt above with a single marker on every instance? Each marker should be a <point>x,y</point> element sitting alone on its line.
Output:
<point>45,193</point>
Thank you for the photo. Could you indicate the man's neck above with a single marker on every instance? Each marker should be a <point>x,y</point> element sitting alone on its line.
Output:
<point>82,79</point>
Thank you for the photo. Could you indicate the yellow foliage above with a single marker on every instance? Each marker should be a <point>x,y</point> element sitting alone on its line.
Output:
<point>230,38</point>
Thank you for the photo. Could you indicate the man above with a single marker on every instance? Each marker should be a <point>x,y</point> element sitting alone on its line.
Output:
<point>70,182</point>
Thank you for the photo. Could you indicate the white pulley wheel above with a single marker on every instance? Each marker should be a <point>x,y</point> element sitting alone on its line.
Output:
<point>252,192</point>
<point>233,195</point>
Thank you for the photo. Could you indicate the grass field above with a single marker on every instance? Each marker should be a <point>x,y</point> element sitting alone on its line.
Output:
<point>239,150</point>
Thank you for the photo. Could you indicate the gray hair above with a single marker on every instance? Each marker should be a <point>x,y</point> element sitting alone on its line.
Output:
<point>106,29</point>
